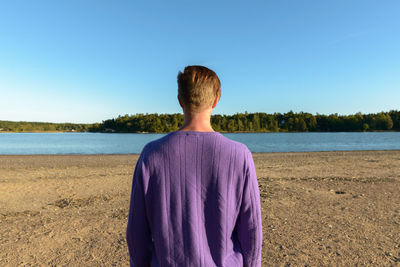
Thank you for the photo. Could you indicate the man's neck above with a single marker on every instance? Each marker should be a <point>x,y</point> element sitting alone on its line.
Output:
<point>199,122</point>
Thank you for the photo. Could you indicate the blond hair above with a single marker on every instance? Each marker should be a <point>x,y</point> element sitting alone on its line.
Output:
<point>198,87</point>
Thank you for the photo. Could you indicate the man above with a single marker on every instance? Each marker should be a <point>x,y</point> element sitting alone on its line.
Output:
<point>195,198</point>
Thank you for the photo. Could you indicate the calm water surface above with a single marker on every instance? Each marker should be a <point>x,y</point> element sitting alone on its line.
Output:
<point>112,143</point>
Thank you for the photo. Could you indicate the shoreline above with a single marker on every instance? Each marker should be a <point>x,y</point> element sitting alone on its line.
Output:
<point>222,132</point>
<point>269,152</point>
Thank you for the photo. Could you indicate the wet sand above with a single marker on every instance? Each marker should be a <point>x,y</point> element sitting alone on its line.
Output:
<point>318,208</point>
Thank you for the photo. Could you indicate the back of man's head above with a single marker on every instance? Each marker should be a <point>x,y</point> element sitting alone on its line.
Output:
<point>198,87</point>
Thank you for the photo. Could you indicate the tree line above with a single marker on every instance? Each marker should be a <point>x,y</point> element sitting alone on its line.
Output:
<point>239,122</point>
<point>257,122</point>
<point>26,126</point>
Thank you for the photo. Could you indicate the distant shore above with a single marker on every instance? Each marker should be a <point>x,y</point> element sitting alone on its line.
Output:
<point>281,131</point>
<point>238,122</point>
<point>318,208</point>
<point>43,132</point>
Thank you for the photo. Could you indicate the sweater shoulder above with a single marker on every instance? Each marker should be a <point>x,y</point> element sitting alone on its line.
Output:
<point>157,148</point>
<point>153,147</point>
<point>239,147</point>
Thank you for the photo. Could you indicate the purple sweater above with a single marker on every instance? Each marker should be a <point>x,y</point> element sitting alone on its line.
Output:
<point>195,202</point>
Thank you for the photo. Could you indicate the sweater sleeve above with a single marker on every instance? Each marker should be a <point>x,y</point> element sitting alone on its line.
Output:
<point>249,227</point>
<point>138,233</point>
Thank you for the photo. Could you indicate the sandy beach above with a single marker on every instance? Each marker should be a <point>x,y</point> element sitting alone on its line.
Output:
<point>318,208</point>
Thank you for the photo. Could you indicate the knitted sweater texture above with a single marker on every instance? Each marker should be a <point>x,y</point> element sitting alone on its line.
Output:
<point>195,201</point>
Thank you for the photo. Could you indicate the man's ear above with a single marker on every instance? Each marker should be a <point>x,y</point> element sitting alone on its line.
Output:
<point>216,101</point>
<point>180,102</point>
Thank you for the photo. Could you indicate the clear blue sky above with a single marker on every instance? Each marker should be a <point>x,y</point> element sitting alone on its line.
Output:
<point>87,61</point>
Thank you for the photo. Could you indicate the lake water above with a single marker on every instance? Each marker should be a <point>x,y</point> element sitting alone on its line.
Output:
<point>113,143</point>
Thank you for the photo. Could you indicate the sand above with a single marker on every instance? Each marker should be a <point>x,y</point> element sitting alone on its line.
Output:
<point>318,208</point>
